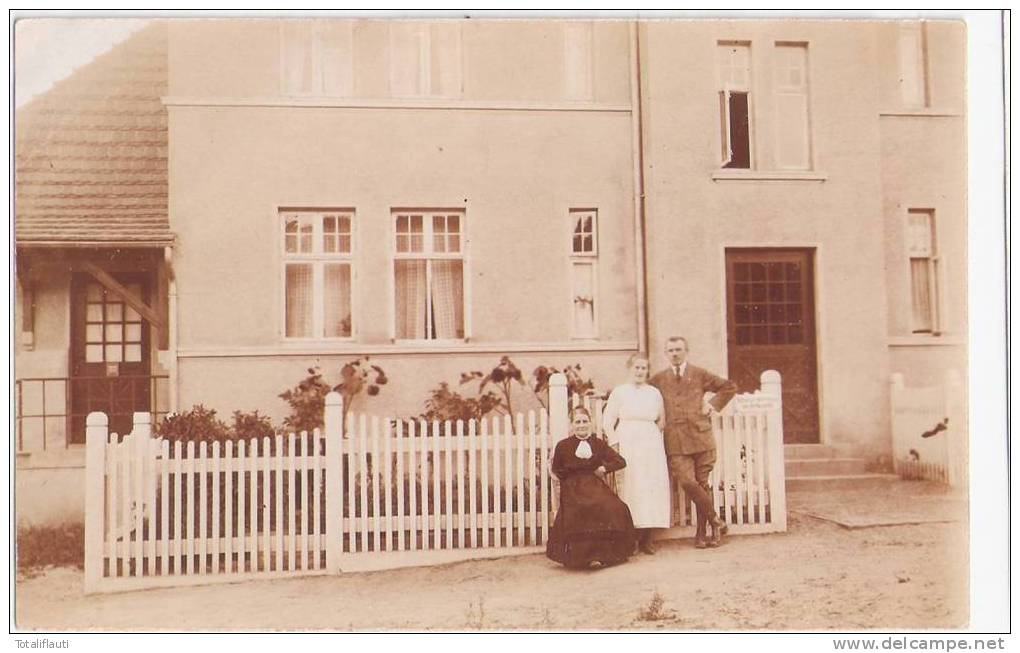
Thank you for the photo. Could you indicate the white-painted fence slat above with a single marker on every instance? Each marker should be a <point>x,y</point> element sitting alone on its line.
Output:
<point>472,473</point>
<point>386,463</point>
<point>401,511</point>
<point>229,466</point>
<point>291,490</point>
<point>216,508</point>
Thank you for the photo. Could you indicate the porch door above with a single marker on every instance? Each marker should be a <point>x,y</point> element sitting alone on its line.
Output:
<point>770,321</point>
<point>110,359</point>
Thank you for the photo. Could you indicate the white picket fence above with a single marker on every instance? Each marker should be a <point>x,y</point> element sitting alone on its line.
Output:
<point>939,413</point>
<point>372,493</point>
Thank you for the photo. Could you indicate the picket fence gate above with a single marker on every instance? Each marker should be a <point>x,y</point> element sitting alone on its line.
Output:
<point>929,430</point>
<point>368,493</point>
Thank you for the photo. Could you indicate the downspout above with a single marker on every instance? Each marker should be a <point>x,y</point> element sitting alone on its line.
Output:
<point>637,152</point>
<point>171,328</point>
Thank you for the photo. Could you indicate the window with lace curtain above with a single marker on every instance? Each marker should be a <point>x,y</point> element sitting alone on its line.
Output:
<point>583,266</point>
<point>428,269</point>
<point>924,271</point>
<point>318,273</point>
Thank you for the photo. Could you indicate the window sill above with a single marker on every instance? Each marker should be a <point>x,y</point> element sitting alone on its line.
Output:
<point>920,113</point>
<point>769,175</point>
<point>926,341</point>
<point>429,347</point>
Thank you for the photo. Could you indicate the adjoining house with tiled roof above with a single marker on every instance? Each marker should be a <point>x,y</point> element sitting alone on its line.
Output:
<point>93,240</point>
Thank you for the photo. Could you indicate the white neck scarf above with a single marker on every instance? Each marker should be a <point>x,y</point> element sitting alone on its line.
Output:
<point>583,450</point>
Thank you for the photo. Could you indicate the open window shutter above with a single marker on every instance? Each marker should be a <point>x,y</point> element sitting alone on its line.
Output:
<point>724,123</point>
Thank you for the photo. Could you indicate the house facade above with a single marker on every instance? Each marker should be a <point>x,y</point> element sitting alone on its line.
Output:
<point>254,198</point>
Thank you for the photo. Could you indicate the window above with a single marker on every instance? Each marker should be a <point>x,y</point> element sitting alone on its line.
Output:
<point>428,271</point>
<point>425,59</point>
<point>583,270</point>
<point>913,73</point>
<point>577,60</point>
<point>318,270</point>
<point>113,330</point>
<point>317,58</point>
<point>793,142</point>
<point>924,273</point>
<point>734,69</point>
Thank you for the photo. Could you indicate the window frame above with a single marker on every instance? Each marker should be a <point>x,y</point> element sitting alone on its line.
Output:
<point>724,89</point>
<point>804,90</point>
<point>579,84</point>
<point>428,255</point>
<point>427,81</point>
<point>919,29</point>
<point>318,259</point>
<point>316,31</point>
<point>934,268</point>
<point>588,260</point>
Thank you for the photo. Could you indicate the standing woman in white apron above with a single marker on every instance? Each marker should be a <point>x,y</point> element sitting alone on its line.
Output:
<point>633,417</point>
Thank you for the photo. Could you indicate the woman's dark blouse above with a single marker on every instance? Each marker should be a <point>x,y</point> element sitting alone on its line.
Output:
<point>566,464</point>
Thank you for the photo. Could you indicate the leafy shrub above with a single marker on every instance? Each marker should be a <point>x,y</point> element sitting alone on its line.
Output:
<point>307,399</point>
<point>41,546</point>
<point>444,403</point>
<point>198,424</point>
<point>252,425</point>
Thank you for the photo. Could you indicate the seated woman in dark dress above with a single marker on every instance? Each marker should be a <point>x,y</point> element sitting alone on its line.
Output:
<point>593,527</point>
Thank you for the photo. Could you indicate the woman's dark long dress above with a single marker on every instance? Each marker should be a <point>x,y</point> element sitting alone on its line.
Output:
<point>592,524</point>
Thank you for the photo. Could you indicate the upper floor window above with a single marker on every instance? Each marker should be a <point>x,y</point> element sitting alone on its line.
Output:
<point>913,65</point>
<point>793,128</point>
<point>733,64</point>
<point>317,57</point>
<point>924,271</point>
<point>577,60</point>
<point>318,270</point>
<point>425,59</point>
<point>428,274</point>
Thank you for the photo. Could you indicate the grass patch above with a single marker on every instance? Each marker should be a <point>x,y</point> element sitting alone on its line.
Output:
<point>45,546</point>
<point>655,610</point>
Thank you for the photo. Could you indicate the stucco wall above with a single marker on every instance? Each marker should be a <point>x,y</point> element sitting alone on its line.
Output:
<point>691,218</point>
<point>500,60</point>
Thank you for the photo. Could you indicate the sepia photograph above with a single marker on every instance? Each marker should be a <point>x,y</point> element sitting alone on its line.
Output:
<point>449,323</point>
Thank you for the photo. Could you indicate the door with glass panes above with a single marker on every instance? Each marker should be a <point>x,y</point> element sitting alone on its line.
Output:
<point>110,354</point>
<point>770,320</point>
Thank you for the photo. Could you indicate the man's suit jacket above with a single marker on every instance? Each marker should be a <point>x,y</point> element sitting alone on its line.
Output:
<point>688,430</point>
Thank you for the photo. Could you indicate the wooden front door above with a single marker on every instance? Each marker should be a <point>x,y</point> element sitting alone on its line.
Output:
<point>110,360</point>
<point>770,321</point>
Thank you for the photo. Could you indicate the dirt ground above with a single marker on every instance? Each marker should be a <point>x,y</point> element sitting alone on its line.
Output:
<point>817,576</point>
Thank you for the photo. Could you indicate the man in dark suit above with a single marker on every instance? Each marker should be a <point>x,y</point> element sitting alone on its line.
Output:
<point>690,446</point>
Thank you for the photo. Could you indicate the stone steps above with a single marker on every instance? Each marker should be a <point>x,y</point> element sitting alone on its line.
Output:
<point>820,467</point>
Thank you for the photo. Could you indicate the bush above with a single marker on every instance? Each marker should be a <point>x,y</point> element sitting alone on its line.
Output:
<point>41,546</point>
<point>307,399</point>
<point>200,424</point>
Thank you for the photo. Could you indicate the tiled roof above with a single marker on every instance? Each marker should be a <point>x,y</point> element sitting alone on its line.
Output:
<point>91,153</point>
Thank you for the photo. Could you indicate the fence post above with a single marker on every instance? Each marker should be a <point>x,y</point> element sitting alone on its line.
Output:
<point>95,500</point>
<point>957,461</point>
<point>896,385</point>
<point>333,423</point>
<point>558,420</point>
<point>772,385</point>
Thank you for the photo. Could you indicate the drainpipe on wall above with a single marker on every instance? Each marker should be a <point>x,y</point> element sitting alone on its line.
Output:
<point>637,151</point>
<point>171,328</point>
